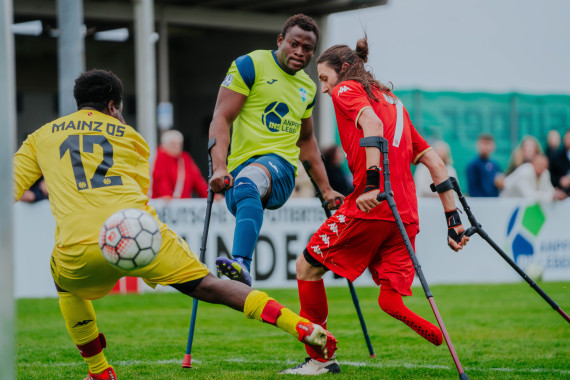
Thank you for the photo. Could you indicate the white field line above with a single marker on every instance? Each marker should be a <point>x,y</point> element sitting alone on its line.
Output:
<point>285,363</point>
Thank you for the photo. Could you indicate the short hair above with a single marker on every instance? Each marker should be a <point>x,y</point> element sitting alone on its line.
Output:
<point>302,21</point>
<point>95,88</point>
<point>171,135</point>
<point>486,137</point>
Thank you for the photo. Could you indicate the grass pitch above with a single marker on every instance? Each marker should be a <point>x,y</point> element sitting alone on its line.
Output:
<point>499,332</point>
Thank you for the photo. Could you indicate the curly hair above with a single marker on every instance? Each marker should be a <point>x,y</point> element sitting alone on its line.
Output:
<point>302,21</point>
<point>338,56</point>
<point>95,88</point>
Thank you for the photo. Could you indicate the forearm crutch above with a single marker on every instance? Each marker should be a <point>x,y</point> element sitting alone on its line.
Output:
<point>187,362</point>
<point>307,166</point>
<point>382,144</point>
<point>477,229</point>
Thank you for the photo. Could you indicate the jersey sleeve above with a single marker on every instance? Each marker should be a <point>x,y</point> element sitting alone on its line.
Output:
<point>240,76</point>
<point>351,99</point>
<point>26,168</point>
<point>309,110</point>
<point>419,145</point>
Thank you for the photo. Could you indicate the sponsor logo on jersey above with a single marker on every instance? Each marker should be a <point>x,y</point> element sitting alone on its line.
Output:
<point>274,119</point>
<point>303,94</point>
<point>271,81</point>
<point>343,89</point>
<point>342,218</point>
<point>228,80</point>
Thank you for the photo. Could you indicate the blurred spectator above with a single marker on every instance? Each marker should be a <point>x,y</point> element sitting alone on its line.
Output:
<point>524,152</point>
<point>552,145</point>
<point>532,180</point>
<point>422,176</point>
<point>484,177</point>
<point>175,175</point>
<point>560,165</point>
<point>303,186</point>
<point>37,192</point>
<point>334,157</point>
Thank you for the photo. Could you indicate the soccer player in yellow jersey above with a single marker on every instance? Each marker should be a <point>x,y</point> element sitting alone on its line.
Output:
<point>95,164</point>
<point>269,99</point>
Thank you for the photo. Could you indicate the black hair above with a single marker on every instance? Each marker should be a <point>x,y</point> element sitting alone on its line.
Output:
<point>95,88</point>
<point>302,21</point>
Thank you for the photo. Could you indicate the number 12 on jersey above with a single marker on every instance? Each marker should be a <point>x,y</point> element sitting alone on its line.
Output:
<point>100,178</point>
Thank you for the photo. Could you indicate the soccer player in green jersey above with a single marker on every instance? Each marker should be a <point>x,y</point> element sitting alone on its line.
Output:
<point>269,100</point>
<point>94,164</point>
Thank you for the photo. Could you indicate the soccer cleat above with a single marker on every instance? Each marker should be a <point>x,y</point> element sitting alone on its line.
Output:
<point>108,374</point>
<point>233,269</point>
<point>322,341</point>
<point>313,367</point>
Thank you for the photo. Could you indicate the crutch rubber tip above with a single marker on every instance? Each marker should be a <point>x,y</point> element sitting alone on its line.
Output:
<point>187,362</point>
<point>373,355</point>
<point>463,376</point>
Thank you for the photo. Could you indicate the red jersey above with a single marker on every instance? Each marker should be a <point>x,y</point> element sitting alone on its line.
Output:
<point>177,177</point>
<point>406,147</point>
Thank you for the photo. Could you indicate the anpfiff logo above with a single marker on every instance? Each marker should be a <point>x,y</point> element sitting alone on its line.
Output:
<point>523,230</point>
<point>273,114</point>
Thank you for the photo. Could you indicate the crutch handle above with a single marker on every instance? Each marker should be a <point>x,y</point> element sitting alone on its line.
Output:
<point>468,232</point>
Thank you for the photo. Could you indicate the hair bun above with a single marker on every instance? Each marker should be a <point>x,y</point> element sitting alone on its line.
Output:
<point>362,49</point>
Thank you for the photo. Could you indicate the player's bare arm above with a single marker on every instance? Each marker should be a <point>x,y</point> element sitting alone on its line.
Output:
<point>371,126</point>
<point>309,150</point>
<point>228,107</point>
<point>439,174</point>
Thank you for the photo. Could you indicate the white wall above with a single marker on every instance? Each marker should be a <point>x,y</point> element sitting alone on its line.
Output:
<point>286,231</point>
<point>467,45</point>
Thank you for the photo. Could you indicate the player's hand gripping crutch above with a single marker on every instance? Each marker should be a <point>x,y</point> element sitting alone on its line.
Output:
<point>187,362</point>
<point>382,144</point>
<point>307,166</point>
<point>477,229</point>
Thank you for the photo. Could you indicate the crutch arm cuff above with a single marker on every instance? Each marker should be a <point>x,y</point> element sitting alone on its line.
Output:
<point>442,187</point>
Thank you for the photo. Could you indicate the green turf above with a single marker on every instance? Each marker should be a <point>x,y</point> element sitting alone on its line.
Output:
<point>499,332</point>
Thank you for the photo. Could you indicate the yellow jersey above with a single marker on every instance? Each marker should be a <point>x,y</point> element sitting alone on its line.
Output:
<point>92,164</point>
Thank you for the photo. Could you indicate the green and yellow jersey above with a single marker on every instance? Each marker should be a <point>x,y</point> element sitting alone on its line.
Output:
<point>270,120</point>
<point>92,165</point>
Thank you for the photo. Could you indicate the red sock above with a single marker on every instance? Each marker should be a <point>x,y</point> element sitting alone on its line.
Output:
<point>391,302</point>
<point>314,307</point>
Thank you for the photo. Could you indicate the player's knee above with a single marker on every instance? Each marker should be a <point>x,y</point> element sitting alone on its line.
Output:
<point>245,189</point>
<point>309,269</point>
<point>252,178</point>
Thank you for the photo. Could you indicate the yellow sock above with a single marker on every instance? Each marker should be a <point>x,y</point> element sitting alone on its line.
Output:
<point>255,304</point>
<point>81,324</point>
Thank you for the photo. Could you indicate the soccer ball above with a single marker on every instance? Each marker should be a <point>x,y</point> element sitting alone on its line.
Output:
<point>130,239</point>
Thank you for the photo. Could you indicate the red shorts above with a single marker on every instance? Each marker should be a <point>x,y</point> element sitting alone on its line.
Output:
<point>347,246</point>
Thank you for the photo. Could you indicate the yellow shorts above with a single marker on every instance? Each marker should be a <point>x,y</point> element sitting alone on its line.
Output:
<point>82,270</point>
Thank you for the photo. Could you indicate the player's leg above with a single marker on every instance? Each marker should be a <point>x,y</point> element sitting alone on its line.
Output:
<point>251,187</point>
<point>264,182</point>
<point>394,272</point>
<point>83,271</point>
<point>258,305</point>
<point>328,249</point>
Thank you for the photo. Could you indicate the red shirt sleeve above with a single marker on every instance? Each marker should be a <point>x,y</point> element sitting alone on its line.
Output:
<point>351,99</point>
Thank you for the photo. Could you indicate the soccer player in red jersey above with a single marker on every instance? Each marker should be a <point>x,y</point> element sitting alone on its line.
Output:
<point>363,232</point>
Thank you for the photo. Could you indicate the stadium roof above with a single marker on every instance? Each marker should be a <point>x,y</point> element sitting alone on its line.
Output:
<point>226,14</point>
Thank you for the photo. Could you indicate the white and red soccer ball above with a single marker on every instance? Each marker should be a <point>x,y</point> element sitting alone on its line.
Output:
<point>130,239</point>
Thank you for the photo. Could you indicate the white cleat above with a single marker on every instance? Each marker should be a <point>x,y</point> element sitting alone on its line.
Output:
<point>312,367</point>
